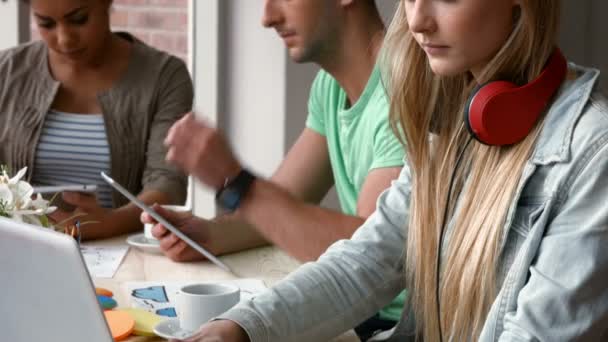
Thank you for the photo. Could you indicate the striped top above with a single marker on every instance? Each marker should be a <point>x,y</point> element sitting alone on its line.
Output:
<point>73,149</point>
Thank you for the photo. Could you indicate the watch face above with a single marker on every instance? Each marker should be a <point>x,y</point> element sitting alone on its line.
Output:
<point>230,198</point>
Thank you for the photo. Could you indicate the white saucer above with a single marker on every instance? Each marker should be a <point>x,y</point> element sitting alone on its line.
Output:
<point>144,244</point>
<point>169,328</point>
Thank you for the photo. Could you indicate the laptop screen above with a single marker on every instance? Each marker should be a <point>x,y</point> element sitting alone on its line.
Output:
<point>47,294</point>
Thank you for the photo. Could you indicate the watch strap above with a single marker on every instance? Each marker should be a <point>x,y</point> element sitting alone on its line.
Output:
<point>231,194</point>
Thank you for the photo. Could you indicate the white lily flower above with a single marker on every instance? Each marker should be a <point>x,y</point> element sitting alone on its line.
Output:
<point>28,212</point>
<point>4,177</point>
<point>23,192</point>
<point>39,202</point>
<point>18,176</point>
<point>16,197</point>
<point>6,195</point>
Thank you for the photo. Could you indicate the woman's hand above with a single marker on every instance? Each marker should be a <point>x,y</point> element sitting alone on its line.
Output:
<point>219,331</point>
<point>91,215</point>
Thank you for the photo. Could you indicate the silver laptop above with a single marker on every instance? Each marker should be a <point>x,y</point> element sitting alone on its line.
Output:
<point>46,292</point>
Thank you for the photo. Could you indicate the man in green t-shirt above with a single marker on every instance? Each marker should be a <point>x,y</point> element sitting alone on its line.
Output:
<point>347,142</point>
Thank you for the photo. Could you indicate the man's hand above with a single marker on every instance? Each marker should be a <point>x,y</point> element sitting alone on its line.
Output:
<point>202,151</point>
<point>172,246</point>
<point>219,331</point>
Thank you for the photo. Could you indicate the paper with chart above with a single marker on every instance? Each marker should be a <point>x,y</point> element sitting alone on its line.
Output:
<point>103,261</point>
<point>158,297</point>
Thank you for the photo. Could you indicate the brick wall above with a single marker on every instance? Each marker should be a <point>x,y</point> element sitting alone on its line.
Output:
<point>160,23</point>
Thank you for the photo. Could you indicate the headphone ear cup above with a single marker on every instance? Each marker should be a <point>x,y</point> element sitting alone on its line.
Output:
<point>483,119</point>
<point>501,113</point>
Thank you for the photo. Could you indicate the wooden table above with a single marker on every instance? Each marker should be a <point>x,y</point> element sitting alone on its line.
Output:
<point>267,263</point>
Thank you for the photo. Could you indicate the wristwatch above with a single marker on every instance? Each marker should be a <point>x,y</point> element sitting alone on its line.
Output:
<point>229,197</point>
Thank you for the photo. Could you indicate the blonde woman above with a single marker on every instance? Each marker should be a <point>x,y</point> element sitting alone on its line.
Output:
<point>523,255</point>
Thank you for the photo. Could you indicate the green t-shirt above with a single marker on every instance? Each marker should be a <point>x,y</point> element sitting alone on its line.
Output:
<point>359,139</point>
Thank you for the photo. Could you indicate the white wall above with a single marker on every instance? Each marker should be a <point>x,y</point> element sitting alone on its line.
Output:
<point>253,94</point>
<point>240,83</point>
<point>14,23</point>
<point>205,25</point>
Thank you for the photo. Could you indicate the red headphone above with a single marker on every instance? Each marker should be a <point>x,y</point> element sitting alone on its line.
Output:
<point>501,113</point>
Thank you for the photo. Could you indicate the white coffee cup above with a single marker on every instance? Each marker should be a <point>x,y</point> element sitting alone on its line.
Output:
<point>196,304</point>
<point>148,227</point>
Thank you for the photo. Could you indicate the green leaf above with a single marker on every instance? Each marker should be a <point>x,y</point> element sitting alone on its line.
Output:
<point>44,221</point>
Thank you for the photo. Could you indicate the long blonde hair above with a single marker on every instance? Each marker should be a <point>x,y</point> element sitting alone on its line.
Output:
<point>421,103</point>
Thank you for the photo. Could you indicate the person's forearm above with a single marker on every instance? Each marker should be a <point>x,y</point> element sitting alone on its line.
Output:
<point>365,273</point>
<point>303,230</point>
<point>231,233</point>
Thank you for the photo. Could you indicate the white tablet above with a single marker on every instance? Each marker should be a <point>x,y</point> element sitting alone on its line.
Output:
<point>165,223</point>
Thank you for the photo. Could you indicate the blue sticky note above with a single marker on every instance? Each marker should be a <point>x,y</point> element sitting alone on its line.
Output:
<point>167,312</point>
<point>106,302</point>
<point>154,293</point>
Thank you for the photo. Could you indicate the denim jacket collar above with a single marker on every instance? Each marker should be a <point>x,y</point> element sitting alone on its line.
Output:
<point>554,141</point>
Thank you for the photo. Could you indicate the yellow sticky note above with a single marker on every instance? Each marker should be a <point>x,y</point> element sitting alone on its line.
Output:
<point>144,321</point>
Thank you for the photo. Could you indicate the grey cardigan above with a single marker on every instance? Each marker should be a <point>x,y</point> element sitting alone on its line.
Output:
<point>155,91</point>
<point>553,268</point>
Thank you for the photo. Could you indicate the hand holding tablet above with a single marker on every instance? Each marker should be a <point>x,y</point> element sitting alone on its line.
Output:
<point>165,223</point>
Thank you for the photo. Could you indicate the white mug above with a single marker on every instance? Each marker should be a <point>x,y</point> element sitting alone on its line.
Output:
<point>196,304</point>
<point>148,226</point>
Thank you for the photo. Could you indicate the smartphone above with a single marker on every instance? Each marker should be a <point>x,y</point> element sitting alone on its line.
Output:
<point>53,194</point>
<point>53,189</point>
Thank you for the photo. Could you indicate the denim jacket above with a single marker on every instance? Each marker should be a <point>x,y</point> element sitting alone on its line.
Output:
<point>553,271</point>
